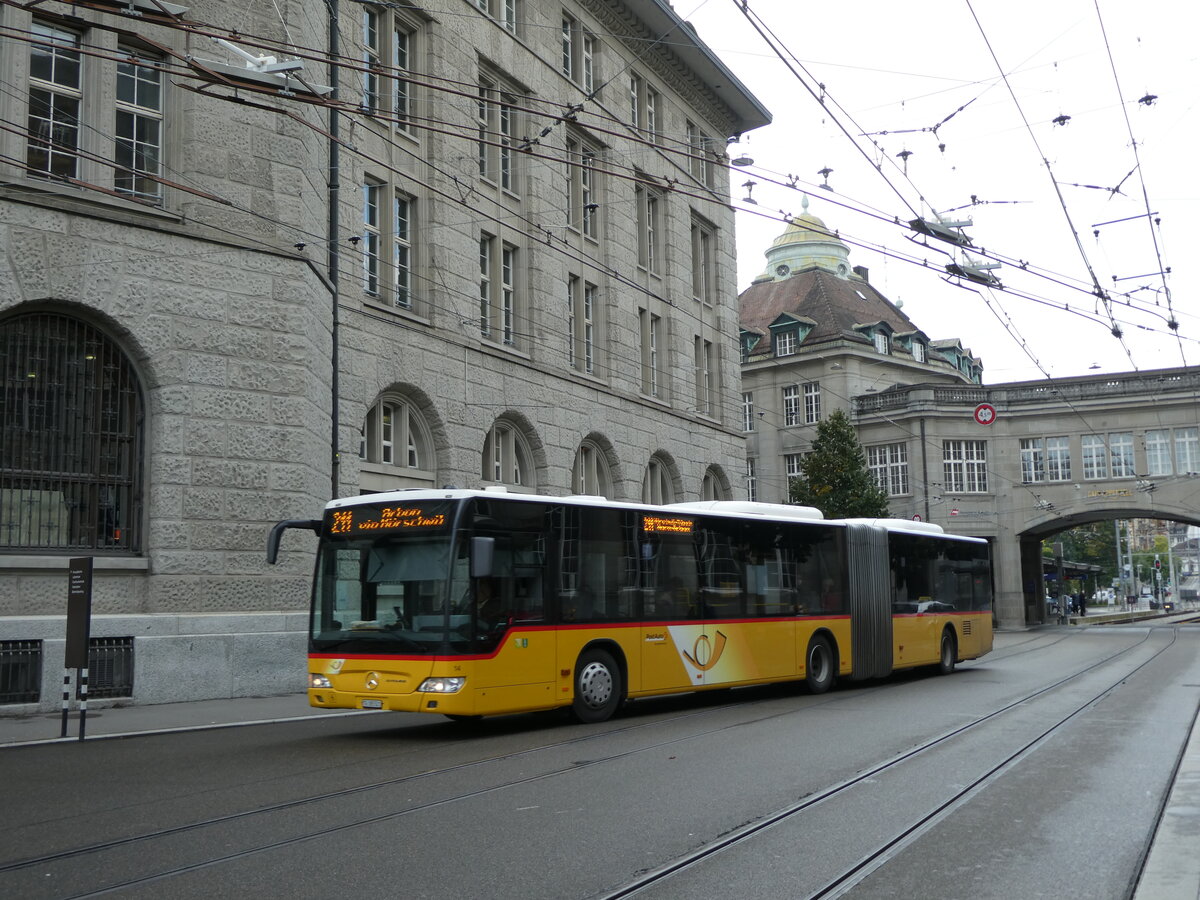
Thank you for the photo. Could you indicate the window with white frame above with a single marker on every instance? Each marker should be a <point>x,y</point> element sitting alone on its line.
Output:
<point>883,342</point>
<point>496,125</point>
<point>751,479</point>
<point>389,46</point>
<point>812,403</point>
<point>581,324</point>
<point>649,205</point>
<point>506,457</point>
<point>503,11</point>
<point>703,357</point>
<point>964,466</point>
<point>658,486</point>
<point>918,351</point>
<point>704,241</point>
<point>888,465</point>
<point>1187,450</point>
<point>395,443</point>
<point>139,119</point>
<point>1120,449</point>
<point>791,405</point>
<point>1095,456</point>
<point>652,124</point>
<point>785,343</point>
<point>645,107</point>
<point>1158,452</point>
<point>590,472</point>
<point>387,245</point>
<point>747,411</point>
<point>498,298</point>
<point>1058,458</point>
<point>700,155</point>
<point>793,469</point>
<point>578,52</point>
<point>582,182</point>
<point>55,100</point>
<point>650,326</point>
<point>1033,460</point>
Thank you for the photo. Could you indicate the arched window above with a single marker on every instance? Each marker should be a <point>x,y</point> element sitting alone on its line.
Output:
<point>506,457</point>
<point>713,486</point>
<point>590,474</point>
<point>71,424</point>
<point>395,450</point>
<point>658,485</point>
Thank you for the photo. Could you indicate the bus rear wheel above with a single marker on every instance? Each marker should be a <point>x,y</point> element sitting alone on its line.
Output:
<point>947,654</point>
<point>597,687</point>
<point>818,666</point>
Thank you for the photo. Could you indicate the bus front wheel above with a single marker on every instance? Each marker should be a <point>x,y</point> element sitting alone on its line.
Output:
<point>818,666</point>
<point>597,687</point>
<point>948,654</point>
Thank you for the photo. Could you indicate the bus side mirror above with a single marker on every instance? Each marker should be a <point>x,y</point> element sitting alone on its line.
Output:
<point>483,552</point>
<point>276,535</point>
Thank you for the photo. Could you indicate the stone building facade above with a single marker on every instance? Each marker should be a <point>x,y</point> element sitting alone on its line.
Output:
<point>489,244</point>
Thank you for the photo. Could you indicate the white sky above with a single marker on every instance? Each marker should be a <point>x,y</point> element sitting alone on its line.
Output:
<point>890,66</point>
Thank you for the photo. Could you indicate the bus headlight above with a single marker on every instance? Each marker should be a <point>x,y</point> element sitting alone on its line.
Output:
<point>319,681</point>
<point>441,685</point>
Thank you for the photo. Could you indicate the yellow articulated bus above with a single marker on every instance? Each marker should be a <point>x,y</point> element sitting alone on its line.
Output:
<point>474,603</point>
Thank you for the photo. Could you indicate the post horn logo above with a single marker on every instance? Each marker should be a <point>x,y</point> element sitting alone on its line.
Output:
<point>372,680</point>
<point>705,655</point>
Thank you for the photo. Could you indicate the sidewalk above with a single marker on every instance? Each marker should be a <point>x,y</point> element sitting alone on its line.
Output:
<point>119,721</point>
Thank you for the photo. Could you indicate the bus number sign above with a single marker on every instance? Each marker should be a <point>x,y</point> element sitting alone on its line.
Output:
<point>667,525</point>
<point>357,519</point>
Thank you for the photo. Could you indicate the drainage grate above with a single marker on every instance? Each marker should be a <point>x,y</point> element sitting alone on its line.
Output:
<point>110,667</point>
<point>20,671</point>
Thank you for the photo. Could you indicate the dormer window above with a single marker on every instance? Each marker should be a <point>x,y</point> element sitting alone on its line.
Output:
<point>883,342</point>
<point>918,351</point>
<point>785,343</point>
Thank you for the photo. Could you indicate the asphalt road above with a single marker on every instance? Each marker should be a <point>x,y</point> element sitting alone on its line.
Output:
<point>1038,771</point>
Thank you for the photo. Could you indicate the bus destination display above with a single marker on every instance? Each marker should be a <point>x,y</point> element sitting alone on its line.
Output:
<point>398,517</point>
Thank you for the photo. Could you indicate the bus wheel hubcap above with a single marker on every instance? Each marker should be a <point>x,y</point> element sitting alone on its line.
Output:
<point>595,684</point>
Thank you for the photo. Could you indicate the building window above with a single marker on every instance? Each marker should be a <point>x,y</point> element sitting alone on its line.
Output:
<point>653,107</point>
<point>791,405</point>
<point>1158,453</point>
<point>648,201</point>
<point>70,438</point>
<point>55,97</point>
<point>1058,459</point>
<point>498,290</point>
<point>785,343</point>
<point>918,351</point>
<point>581,324</point>
<point>497,129</point>
<point>703,358</point>
<point>883,342</point>
<point>658,486</point>
<point>964,465</point>
<point>578,53</point>
<point>503,11</point>
<point>711,487</point>
<point>372,60</point>
<point>138,128</point>
<point>888,464</point>
<point>1033,460</point>
<point>1187,451</point>
<point>506,457</point>
<point>812,403</point>
<point>700,155</point>
<point>395,443</point>
<point>1120,449</point>
<point>704,240</point>
<point>751,479</point>
<point>582,200</point>
<point>793,469</point>
<point>747,411</point>
<point>387,244</point>
<point>1095,456</point>
<point>590,474</point>
<point>651,336</point>
<point>389,43</point>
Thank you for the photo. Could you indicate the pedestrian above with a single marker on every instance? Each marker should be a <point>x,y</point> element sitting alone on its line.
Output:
<point>1083,603</point>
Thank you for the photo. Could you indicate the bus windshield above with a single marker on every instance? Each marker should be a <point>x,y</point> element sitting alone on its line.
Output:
<point>390,580</point>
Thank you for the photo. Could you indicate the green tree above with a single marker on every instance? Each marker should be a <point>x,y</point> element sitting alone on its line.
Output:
<point>835,476</point>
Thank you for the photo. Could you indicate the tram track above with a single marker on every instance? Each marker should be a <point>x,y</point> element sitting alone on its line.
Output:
<point>138,842</point>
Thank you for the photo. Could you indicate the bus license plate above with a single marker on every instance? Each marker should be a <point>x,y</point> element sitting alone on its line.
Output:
<point>372,704</point>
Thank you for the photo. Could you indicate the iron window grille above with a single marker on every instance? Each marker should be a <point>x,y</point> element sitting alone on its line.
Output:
<point>20,671</point>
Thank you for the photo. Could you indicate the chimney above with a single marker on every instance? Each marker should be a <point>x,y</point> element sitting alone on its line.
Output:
<point>861,272</point>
